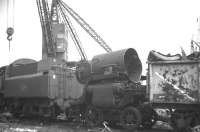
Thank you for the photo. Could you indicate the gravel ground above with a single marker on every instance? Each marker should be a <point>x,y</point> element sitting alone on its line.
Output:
<point>32,126</point>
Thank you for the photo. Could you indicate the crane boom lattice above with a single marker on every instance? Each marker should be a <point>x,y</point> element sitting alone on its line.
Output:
<point>73,33</point>
<point>55,23</point>
<point>86,27</point>
<point>48,40</point>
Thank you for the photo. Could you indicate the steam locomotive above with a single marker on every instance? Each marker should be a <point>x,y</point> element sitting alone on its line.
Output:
<point>106,88</point>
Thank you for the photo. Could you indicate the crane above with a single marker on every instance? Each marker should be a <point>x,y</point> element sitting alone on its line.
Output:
<point>86,27</point>
<point>59,15</point>
<point>48,46</point>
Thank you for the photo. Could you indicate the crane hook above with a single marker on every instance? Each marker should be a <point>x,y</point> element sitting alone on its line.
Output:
<point>9,32</point>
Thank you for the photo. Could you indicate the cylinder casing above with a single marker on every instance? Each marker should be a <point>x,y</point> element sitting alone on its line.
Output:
<point>123,61</point>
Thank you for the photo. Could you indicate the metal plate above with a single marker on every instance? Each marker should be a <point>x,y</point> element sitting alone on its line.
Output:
<point>34,85</point>
<point>174,82</point>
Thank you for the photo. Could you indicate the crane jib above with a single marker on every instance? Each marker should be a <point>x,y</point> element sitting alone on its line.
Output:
<point>59,14</point>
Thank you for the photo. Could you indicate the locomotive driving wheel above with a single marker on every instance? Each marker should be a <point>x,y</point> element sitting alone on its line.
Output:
<point>93,116</point>
<point>130,118</point>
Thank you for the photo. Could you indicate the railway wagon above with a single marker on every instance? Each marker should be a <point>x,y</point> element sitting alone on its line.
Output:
<point>38,88</point>
<point>173,84</point>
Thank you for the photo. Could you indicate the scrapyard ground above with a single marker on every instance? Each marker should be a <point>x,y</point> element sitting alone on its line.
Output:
<point>35,126</point>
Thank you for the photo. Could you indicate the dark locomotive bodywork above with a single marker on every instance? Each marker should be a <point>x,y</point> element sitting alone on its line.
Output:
<point>113,89</point>
<point>115,94</point>
<point>106,88</point>
<point>39,86</point>
<point>111,75</point>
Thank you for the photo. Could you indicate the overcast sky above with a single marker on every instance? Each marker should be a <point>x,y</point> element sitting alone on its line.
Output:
<point>161,25</point>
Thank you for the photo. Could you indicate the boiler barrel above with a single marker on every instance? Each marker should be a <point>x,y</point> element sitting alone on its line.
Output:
<point>124,61</point>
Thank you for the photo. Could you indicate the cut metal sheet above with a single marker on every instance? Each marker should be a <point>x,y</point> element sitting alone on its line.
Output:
<point>174,81</point>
